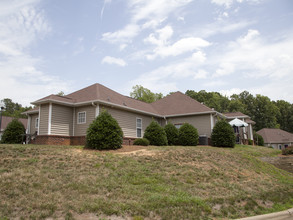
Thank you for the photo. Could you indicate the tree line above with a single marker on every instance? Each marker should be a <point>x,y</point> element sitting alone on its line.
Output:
<point>265,112</point>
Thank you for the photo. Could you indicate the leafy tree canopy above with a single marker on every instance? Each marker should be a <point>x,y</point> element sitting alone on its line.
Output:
<point>144,94</point>
<point>13,109</point>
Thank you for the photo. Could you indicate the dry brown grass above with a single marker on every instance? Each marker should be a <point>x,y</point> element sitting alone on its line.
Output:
<point>39,182</point>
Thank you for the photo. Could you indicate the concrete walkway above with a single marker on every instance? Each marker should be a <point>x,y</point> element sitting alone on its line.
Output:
<point>284,215</point>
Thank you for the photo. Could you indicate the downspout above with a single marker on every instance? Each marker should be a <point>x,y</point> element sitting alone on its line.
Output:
<point>166,122</point>
<point>97,112</point>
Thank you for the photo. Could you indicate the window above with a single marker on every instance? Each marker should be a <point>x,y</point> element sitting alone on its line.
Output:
<point>81,117</point>
<point>37,122</point>
<point>280,147</point>
<point>178,125</point>
<point>138,127</point>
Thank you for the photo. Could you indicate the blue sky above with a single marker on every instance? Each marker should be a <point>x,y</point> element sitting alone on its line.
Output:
<point>226,46</point>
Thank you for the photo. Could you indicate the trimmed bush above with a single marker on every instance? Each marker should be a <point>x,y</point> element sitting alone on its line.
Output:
<point>141,142</point>
<point>223,135</point>
<point>288,150</point>
<point>13,134</point>
<point>188,135</point>
<point>104,133</point>
<point>156,134</point>
<point>172,134</point>
<point>258,139</point>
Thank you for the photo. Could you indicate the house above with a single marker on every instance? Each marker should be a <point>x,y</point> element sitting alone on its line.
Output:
<point>247,132</point>
<point>276,138</point>
<point>6,120</point>
<point>64,119</point>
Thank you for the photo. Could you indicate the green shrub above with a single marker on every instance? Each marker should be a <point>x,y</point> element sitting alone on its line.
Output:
<point>258,139</point>
<point>250,142</point>
<point>223,135</point>
<point>141,142</point>
<point>288,150</point>
<point>14,133</point>
<point>188,135</point>
<point>172,134</point>
<point>156,134</point>
<point>104,133</point>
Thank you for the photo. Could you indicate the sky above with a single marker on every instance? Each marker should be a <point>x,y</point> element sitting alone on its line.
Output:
<point>225,46</point>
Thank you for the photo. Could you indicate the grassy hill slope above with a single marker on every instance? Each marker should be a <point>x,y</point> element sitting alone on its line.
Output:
<point>156,183</point>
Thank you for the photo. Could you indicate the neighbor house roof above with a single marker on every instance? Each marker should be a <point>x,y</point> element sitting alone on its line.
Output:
<point>274,135</point>
<point>6,120</point>
<point>232,115</point>
<point>174,104</point>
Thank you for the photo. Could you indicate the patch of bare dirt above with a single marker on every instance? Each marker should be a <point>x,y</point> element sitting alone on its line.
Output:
<point>281,162</point>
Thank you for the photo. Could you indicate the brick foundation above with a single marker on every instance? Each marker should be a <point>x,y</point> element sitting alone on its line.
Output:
<point>68,140</point>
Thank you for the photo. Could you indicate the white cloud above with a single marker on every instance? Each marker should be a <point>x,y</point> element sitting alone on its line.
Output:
<point>151,12</point>
<point>181,46</point>
<point>21,26</point>
<point>228,3</point>
<point>188,67</point>
<point>113,60</point>
<point>164,48</point>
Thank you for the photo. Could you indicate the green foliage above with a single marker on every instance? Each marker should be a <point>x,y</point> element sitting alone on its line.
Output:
<point>288,150</point>
<point>258,139</point>
<point>141,142</point>
<point>144,94</point>
<point>188,135</point>
<point>250,142</point>
<point>266,113</point>
<point>13,134</point>
<point>223,135</point>
<point>14,110</point>
<point>172,134</point>
<point>156,134</point>
<point>104,133</point>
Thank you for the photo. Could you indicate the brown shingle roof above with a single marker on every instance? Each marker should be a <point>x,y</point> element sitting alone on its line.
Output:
<point>178,103</point>
<point>6,120</point>
<point>274,135</point>
<point>235,114</point>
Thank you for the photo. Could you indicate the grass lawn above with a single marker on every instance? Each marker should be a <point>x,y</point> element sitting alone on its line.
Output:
<point>155,183</point>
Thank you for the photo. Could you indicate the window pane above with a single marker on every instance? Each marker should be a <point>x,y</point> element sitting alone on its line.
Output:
<point>138,132</point>
<point>138,123</point>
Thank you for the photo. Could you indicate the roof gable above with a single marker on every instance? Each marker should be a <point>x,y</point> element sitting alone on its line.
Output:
<point>178,104</point>
<point>274,135</point>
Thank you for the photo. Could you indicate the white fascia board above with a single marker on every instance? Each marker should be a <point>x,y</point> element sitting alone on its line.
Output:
<point>190,114</point>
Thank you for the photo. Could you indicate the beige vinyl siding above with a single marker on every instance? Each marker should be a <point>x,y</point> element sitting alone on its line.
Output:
<point>80,129</point>
<point>44,109</point>
<point>61,121</point>
<point>32,125</point>
<point>127,120</point>
<point>201,122</point>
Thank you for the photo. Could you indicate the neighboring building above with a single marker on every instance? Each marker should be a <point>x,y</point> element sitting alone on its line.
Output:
<point>65,119</point>
<point>247,131</point>
<point>276,138</point>
<point>5,121</point>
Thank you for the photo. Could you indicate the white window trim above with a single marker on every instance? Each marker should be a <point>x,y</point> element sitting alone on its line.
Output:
<point>139,128</point>
<point>178,124</point>
<point>84,117</point>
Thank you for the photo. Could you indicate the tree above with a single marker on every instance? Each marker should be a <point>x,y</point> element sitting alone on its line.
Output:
<point>13,109</point>
<point>144,94</point>
<point>13,134</point>
<point>188,135</point>
<point>156,134</point>
<point>285,115</point>
<point>104,133</point>
<point>172,134</point>
<point>223,135</point>
<point>61,93</point>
